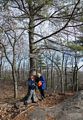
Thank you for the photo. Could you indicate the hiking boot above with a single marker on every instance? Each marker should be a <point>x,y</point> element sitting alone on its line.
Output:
<point>25,103</point>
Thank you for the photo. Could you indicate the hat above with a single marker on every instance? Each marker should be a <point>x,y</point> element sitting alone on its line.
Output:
<point>39,74</point>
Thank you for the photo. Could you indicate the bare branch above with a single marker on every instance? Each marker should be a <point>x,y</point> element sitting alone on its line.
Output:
<point>5,53</point>
<point>80,67</point>
<point>61,28</point>
<point>19,7</point>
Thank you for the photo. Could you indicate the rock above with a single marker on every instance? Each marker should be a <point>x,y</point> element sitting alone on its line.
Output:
<point>69,109</point>
<point>75,116</point>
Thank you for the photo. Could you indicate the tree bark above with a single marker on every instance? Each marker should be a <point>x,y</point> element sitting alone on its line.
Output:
<point>62,79</point>
<point>14,75</point>
<point>0,67</point>
<point>66,74</point>
<point>31,39</point>
<point>15,82</point>
<point>75,81</point>
<point>52,73</point>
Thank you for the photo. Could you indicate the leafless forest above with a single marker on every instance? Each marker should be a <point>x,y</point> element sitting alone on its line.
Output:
<point>45,36</point>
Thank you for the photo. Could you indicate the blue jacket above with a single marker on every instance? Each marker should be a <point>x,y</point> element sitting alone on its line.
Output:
<point>42,78</point>
<point>31,84</point>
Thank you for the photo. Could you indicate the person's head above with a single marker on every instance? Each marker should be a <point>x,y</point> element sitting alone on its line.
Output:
<point>32,77</point>
<point>38,74</point>
<point>34,73</point>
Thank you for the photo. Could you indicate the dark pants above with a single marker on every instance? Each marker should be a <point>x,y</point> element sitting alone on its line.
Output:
<point>41,92</point>
<point>26,97</point>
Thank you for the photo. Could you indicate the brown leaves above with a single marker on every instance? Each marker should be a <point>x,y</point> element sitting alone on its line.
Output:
<point>53,99</point>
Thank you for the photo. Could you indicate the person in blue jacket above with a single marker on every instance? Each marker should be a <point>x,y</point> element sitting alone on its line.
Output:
<point>41,82</point>
<point>31,90</point>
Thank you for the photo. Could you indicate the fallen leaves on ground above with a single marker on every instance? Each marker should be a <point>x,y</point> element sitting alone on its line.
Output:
<point>15,110</point>
<point>10,111</point>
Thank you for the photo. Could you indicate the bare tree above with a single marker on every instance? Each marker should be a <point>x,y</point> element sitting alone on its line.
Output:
<point>13,42</point>
<point>34,12</point>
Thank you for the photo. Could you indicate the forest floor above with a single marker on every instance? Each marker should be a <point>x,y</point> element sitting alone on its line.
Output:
<point>55,106</point>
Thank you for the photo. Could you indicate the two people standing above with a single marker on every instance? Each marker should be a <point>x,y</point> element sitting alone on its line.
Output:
<point>35,81</point>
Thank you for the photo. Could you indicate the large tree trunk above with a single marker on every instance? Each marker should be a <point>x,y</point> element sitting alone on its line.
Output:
<point>31,39</point>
